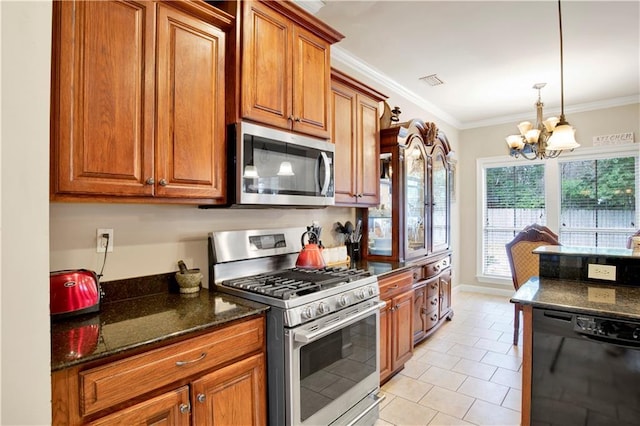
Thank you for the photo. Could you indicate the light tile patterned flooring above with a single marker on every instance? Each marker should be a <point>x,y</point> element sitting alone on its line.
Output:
<point>467,373</point>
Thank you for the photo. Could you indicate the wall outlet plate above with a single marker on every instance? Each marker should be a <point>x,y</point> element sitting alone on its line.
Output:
<point>102,241</point>
<point>601,272</point>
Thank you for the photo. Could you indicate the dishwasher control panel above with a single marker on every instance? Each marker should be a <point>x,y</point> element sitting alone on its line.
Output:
<point>623,331</point>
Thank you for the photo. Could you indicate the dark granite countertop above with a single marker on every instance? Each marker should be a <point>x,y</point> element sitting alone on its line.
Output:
<point>132,324</point>
<point>588,251</point>
<point>581,297</point>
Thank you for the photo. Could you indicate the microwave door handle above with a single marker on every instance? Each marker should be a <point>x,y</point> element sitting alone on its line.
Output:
<point>327,173</point>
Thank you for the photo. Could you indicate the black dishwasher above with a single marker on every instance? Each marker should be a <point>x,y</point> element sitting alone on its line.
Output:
<point>585,370</point>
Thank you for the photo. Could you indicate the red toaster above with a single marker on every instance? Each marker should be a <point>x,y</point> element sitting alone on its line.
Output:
<point>73,292</point>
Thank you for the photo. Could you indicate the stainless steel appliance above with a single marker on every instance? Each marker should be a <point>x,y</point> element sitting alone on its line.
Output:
<point>322,328</point>
<point>585,369</point>
<point>275,167</point>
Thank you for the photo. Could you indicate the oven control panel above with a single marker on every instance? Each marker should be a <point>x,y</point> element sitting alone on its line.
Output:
<point>330,304</point>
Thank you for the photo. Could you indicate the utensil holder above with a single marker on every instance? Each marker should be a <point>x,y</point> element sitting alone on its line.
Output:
<point>353,250</point>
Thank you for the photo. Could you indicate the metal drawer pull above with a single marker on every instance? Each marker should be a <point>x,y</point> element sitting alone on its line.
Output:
<point>201,397</point>
<point>393,287</point>
<point>200,358</point>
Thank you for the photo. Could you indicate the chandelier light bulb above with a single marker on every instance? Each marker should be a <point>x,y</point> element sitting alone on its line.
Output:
<point>563,138</point>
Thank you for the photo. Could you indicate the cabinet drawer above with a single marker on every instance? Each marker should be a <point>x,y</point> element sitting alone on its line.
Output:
<point>434,268</point>
<point>395,284</point>
<point>431,305</point>
<point>433,287</point>
<point>110,384</point>
<point>431,319</point>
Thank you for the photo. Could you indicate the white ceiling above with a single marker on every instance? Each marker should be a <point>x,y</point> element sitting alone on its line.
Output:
<point>490,53</point>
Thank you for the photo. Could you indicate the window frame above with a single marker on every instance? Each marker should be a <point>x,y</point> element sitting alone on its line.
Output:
<point>552,187</point>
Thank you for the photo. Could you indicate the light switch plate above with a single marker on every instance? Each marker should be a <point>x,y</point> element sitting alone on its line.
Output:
<point>601,272</point>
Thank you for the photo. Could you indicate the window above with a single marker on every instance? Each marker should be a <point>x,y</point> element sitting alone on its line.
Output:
<point>588,197</point>
<point>514,198</point>
<point>598,201</point>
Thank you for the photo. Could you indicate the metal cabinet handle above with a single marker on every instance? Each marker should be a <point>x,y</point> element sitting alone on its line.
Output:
<point>434,317</point>
<point>201,398</point>
<point>434,302</point>
<point>150,181</point>
<point>297,119</point>
<point>163,182</point>
<point>200,358</point>
<point>185,408</point>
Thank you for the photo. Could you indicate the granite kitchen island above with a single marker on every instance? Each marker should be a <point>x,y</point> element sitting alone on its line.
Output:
<point>581,337</point>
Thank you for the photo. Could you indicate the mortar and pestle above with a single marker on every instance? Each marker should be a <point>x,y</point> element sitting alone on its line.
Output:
<point>188,279</point>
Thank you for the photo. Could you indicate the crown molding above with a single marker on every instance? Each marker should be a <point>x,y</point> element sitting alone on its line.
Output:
<point>344,57</point>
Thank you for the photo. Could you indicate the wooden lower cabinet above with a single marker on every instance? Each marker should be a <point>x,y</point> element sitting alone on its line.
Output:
<point>233,395</point>
<point>396,323</point>
<point>432,301</point>
<point>171,408</point>
<point>215,378</point>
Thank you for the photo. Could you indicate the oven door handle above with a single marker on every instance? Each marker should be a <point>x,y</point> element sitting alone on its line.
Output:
<point>304,336</point>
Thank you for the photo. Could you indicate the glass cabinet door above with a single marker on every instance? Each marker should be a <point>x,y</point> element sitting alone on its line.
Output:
<point>380,217</point>
<point>415,162</point>
<point>439,203</point>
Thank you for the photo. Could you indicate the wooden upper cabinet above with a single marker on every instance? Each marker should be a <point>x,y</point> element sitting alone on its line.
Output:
<point>103,97</point>
<point>191,123</point>
<point>138,101</point>
<point>355,130</point>
<point>285,67</point>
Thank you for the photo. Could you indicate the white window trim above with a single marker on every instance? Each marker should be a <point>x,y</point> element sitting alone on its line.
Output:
<point>552,189</point>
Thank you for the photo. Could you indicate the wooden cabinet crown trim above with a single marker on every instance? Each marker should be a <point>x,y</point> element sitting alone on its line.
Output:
<point>340,77</point>
<point>304,19</point>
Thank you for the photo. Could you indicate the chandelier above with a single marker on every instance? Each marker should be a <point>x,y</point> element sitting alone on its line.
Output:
<point>549,137</point>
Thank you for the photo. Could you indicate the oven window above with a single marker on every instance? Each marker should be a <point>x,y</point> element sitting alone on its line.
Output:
<point>336,363</point>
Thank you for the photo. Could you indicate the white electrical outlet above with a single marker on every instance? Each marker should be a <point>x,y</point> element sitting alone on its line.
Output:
<point>601,272</point>
<point>102,241</point>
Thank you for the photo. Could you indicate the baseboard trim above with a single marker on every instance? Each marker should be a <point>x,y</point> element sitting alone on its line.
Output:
<point>483,290</point>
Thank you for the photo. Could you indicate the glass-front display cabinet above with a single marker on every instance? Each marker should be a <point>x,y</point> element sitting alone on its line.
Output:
<point>413,217</point>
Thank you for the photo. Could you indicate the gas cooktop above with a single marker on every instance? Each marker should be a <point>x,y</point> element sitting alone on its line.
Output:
<point>296,282</point>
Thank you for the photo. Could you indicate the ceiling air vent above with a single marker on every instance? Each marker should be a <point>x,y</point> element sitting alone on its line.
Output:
<point>432,80</point>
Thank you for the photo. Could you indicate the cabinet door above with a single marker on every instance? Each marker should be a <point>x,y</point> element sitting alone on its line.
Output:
<point>103,98</point>
<point>415,181</point>
<point>385,341</point>
<point>445,294</point>
<point>311,74</point>
<point>439,190</point>
<point>191,130</point>
<point>266,66</point>
<point>233,395</point>
<point>344,127</point>
<point>171,408</point>
<point>419,297</point>
<point>367,141</point>
<point>402,328</point>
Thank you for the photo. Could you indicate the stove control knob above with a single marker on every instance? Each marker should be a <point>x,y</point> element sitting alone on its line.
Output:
<point>307,312</point>
<point>361,294</point>
<point>323,308</point>
<point>372,291</point>
<point>344,300</point>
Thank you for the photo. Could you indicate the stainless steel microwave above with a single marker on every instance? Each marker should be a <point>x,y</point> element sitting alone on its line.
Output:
<point>275,167</point>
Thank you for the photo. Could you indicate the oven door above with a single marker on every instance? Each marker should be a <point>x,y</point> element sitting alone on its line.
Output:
<point>333,366</point>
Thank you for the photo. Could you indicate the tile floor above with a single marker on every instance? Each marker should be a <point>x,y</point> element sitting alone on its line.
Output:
<point>467,373</point>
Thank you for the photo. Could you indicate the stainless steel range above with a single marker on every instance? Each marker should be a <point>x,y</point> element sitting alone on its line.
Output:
<point>322,329</point>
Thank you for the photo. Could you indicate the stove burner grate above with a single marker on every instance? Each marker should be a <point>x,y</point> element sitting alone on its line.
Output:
<point>296,282</point>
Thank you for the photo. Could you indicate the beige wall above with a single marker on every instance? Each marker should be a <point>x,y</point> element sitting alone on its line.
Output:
<point>24,289</point>
<point>150,239</point>
<point>489,142</point>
